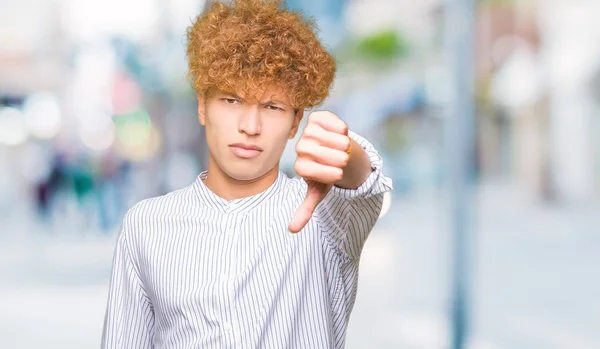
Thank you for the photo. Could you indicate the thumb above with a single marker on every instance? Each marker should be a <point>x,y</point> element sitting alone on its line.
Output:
<point>315,193</point>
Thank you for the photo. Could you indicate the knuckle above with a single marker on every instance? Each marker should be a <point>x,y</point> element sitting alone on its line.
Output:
<point>331,117</point>
<point>310,131</point>
<point>298,168</point>
<point>320,115</point>
<point>346,142</point>
<point>339,174</point>
<point>345,160</point>
<point>331,114</point>
<point>301,147</point>
<point>345,128</point>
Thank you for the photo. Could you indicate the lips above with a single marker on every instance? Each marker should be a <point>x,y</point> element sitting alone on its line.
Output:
<point>246,146</point>
<point>245,151</point>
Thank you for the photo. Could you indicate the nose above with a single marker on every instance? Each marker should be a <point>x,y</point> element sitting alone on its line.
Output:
<point>250,121</point>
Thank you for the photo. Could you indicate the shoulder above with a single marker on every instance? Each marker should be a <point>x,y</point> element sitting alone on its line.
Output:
<point>148,212</point>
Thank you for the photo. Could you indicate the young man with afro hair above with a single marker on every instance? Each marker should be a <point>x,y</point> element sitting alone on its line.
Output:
<point>246,257</point>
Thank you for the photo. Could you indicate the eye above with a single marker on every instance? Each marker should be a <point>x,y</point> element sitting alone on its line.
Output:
<point>231,100</point>
<point>272,107</point>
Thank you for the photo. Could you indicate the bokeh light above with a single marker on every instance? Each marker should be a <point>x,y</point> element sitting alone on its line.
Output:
<point>13,131</point>
<point>133,129</point>
<point>139,151</point>
<point>97,131</point>
<point>42,115</point>
<point>137,137</point>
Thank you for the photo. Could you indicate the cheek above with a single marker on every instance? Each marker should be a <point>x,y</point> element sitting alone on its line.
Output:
<point>214,137</point>
<point>278,130</point>
<point>279,138</point>
<point>216,128</point>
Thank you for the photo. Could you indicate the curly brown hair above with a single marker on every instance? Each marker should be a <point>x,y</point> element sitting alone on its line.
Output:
<point>251,44</point>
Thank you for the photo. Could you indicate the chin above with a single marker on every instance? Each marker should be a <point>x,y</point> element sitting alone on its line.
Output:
<point>246,174</point>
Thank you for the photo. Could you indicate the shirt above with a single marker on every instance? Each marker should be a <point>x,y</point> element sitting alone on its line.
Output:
<point>193,270</point>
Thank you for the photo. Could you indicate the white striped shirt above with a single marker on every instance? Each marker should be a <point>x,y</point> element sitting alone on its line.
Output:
<point>193,270</point>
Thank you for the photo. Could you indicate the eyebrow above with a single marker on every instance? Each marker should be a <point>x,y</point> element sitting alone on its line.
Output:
<point>274,101</point>
<point>229,94</point>
<point>269,102</point>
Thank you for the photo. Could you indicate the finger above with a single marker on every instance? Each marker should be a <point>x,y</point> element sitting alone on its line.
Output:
<point>304,213</point>
<point>311,170</point>
<point>329,121</point>
<point>327,138</point>
<point>323,155</point>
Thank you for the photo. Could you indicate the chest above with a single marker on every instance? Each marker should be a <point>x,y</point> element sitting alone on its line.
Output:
<point>202,266</point>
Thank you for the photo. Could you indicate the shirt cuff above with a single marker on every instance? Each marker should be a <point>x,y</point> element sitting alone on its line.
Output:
<point>376,183</point>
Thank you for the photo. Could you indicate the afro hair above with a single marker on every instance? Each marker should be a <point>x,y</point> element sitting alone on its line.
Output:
<point>252,44</point>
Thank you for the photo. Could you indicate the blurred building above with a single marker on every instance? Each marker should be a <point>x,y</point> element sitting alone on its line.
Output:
<point>537,103</point>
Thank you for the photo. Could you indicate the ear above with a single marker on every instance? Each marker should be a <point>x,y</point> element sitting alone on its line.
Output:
<point>202,109</point>
<point>297,118</point>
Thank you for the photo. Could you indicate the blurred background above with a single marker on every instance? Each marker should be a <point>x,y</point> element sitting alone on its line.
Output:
<point>96,114</point>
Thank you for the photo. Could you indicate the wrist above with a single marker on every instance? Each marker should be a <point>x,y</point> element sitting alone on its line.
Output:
<point>358,168</point>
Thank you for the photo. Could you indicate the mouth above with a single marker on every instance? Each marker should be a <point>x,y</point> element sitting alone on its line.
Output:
<point>245,151</point>
<point>246,146</point>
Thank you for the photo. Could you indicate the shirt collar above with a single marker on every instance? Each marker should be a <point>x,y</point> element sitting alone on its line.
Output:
<point>209,198</point>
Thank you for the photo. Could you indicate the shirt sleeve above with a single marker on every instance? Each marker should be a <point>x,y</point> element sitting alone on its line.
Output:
<point>347,216</point>
<point>129,319</point>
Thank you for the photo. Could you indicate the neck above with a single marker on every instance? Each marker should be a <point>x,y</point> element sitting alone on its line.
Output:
<point>230,188</point>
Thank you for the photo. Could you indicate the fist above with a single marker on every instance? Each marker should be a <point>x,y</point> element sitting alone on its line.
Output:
<point>323,153</point>
<point>323,148</point>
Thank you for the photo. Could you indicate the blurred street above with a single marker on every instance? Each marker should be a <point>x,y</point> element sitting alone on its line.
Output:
<point>535,287</point>
<point>96,114</point>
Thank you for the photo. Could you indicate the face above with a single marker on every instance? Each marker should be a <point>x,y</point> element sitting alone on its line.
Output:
<point>246,136</point>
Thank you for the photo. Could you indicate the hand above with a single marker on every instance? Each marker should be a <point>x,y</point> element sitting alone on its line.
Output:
<point>323,153</point>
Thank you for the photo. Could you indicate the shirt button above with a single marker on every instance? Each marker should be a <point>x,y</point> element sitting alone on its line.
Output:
<point>223,277</point>
<point>227,328</point>
<point>229,232</point>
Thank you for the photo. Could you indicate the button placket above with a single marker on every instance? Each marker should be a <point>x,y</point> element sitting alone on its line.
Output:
<point>224,277</point>
<point>227,327</point>
<point>227,277</point>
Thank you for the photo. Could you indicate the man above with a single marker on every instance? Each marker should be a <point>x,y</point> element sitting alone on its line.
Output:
<point>246,257</point>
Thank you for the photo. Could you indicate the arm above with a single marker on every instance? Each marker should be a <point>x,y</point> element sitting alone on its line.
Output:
<point>350,209</point>
<point>358,168</point>
<point>129,319</point>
